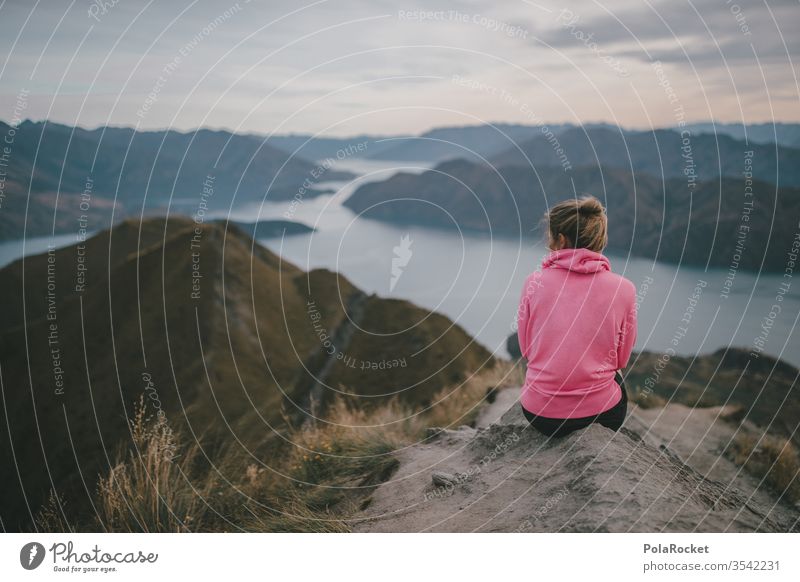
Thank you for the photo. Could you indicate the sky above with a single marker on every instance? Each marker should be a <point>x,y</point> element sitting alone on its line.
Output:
<point>341,67</point>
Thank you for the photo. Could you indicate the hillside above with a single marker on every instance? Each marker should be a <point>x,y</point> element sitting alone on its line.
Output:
<point>764,389</point>
<point>648,217</point>
<point>504,477</point>
<point>220,336</point>
<point>137,169</point>
<point>660,153</point>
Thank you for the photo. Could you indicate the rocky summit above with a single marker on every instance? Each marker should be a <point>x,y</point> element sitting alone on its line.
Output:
<point>665,471</point>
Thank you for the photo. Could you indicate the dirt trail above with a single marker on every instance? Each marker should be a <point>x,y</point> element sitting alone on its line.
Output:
<point>321,362</point>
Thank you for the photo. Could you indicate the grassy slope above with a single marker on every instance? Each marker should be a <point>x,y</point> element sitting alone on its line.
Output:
<point>224,368</point>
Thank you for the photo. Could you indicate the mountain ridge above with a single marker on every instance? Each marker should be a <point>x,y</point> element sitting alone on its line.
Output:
<point>202,320</point>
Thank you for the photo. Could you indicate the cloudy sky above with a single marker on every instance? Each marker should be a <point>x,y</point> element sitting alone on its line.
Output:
<point>340,67</point>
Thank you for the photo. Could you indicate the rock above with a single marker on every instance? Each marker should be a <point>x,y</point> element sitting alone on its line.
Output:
<point>433,432</point>
<point>442,479</point>
<point>594,480</point>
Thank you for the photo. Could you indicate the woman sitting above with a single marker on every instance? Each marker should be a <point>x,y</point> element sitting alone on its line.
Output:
<point>577,326</point>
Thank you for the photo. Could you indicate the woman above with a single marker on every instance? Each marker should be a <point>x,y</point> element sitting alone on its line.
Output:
<point>577,326</point>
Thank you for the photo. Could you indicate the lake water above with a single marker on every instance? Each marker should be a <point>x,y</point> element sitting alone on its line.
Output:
<point>475,280</point>
<point>13,249</point>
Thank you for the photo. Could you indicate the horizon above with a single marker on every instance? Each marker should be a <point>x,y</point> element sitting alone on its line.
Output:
<point>385,135</point>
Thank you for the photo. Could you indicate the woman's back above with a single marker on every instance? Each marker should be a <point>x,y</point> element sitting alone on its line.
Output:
<point>577,326</point>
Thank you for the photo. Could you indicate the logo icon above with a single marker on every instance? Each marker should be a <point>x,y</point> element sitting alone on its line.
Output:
<point>31,555</point>
<point>402,255</point>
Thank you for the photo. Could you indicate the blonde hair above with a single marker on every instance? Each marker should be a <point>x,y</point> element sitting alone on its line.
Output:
<point>582,221</point>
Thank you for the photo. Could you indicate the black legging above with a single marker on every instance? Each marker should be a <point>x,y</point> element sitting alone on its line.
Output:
<point>559,427</point>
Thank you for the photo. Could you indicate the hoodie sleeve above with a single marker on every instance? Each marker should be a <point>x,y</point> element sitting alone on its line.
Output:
<point>524,312</point>
<point>627,337</point>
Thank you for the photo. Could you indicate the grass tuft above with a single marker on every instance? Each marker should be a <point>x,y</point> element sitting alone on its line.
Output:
<point>771,458</point>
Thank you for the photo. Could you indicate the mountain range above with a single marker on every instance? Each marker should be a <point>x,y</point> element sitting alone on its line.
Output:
<point>476,142</point>
<point>56,174</point>
<point>661,153</point>
<point>785,134</point>
<point>471,142</point>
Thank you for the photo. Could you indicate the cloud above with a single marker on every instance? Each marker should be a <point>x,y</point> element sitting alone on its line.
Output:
<point>328,58</point>
<point>700,31</point>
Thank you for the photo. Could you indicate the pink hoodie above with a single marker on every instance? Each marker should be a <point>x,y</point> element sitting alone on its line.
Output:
<point>577,326</point>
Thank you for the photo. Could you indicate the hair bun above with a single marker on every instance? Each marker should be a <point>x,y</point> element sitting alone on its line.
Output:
<point>590,206</point>
<point>578,223</point>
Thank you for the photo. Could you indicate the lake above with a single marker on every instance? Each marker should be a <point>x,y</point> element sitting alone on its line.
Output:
<point>476,279</point>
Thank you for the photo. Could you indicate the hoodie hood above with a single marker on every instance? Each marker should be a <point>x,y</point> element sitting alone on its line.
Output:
<point>577,261</point>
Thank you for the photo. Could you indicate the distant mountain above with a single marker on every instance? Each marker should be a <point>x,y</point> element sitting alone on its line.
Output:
<point>436,145</point>
<point>659,153</point>
<point>785,134</point>
<point>313,147</point>
<point>197,170</point>
<point>648,217</point>
<point>487,140</point>
<point>459,142</point>
<point>215,332</point>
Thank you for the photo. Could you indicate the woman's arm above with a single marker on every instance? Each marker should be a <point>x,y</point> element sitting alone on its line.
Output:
<point>627,337</point>
<point>523,312</point>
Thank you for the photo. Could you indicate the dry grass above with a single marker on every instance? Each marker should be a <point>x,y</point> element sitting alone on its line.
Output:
<point>645,399</point>
<point>293,516</point>
<point>338,462</point>
<point>155,488</point>
<point>460,405</point>
<point>52,515</point>
<point>771,458</point>
<point>166,483</point>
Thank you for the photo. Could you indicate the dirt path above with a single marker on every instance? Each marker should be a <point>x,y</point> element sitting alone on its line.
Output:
<point>321,362</point>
